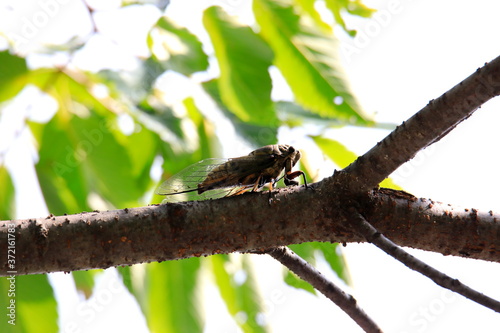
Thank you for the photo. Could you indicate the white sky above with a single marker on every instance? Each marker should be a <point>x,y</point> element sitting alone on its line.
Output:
<point>412,53</point>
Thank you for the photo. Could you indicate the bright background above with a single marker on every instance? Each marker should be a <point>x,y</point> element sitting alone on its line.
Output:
<point>408,54</point>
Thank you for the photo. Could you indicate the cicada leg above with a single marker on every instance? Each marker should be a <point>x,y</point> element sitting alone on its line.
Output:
<point>292,175</point>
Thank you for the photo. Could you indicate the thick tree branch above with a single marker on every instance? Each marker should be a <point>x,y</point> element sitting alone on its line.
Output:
<point>310,274</point>
<point>426,127</point>
<point>241,224</point>
<point>373,236</point>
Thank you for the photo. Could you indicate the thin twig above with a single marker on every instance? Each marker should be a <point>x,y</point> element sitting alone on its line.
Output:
<point>310,274</point>
<point>373,236</point>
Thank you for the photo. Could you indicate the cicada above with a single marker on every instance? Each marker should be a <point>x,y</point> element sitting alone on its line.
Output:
<point>213,178</point>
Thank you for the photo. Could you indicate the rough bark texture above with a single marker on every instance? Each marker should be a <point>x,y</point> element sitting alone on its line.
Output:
<point>243,223</point>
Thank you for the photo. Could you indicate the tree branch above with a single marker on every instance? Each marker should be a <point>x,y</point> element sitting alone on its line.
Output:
<point>310,274</point>
<point>241,224</point>
<point>373,236</point>
<point>426,127</point>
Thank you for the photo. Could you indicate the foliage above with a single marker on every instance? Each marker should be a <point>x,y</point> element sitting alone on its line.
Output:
<point>88,159</point>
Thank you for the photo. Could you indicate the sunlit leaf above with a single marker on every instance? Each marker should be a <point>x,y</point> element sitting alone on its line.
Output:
<point>13,72</point>
<point>171,304</point>
<point>176,48</point>
<point>308,59</point>
<point>239,292</point>
<point>244,59</point>
<point>335,150</point>
<point>308,6</point>
<point>7,195</point>
<point>32,298</point>
<point>258,135</point>
<point>342,156</point>
<point>356,7</point>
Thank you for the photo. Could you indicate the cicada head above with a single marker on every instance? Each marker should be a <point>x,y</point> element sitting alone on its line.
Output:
<point>290,153</point>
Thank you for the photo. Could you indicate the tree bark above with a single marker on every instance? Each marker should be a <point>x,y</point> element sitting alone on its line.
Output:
<point>244,223</point>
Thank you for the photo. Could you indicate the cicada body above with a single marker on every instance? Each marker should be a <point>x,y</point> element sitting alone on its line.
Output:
<point>214,178</point>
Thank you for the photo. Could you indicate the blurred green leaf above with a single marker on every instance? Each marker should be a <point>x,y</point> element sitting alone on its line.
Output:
<point>335,259</point>
<point>171,304</point>
<point>309,251</point>
<point>354,7</point>
<point>100,148</point>
<point>59,171</point>
<point>162,120</point>
<point>176,48</point>
<point>85,281</point>
<point>308,6</point>
<point>239,292</point>
<point>13,72</point>
<point>127,276</point>
<point>257,135</point>
<point>209,144</point>
<point>133,85</point>
<point>294,115</point>
<point>308,59</point>
<point>34,301</point>
<point>306,252</point>
<point>244,59</point>
<point>342,156</point>
<point>294,281</point>
<point>7,195</point>
<point>336,151</point>
<point>389,183</point>
<point>95,156</point>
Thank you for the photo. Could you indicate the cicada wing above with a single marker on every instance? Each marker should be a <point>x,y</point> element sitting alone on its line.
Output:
<point>183,186</point>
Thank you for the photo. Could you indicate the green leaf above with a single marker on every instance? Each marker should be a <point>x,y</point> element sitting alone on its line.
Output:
<point>336,151</point>
<point>355,7</point>
<point>244,59</point>
<point>257,135</point>
<point>176,48</point>
<point>209,144</point>
<point>7,195</point>
<point>335,259</point>
<point>82,150</point>
<point>13,71</point>
<point>126,274</point>
<point>240,294</point>
<point>308,59</point>
<point>294,115</point>
<point>85,281</point>
<point>308,6</point>
<point>133,85</point>
<point>294,281</point>
<point>309,251</point>
<point>171,304</point>
<point>306,252</point>
<point>59,171</point>
<point>34,302</point>
<point>100,148</point>
<point>342,156</point>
